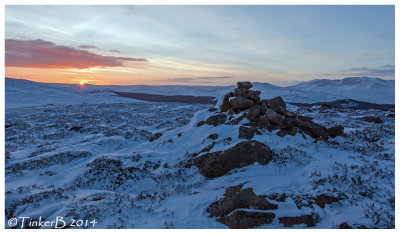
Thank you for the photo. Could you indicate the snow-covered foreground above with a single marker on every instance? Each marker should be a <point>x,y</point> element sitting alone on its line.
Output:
<point>96,161</point>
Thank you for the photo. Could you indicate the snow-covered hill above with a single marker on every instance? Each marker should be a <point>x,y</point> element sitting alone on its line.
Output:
<point>367,89</point>
<point>171,165</point>
<point>23,93</point>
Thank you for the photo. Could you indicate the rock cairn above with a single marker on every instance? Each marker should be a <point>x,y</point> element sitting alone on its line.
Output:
<point>270,114</point>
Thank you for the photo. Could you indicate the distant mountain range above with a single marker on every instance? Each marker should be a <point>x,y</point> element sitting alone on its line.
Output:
<point>21,92</point>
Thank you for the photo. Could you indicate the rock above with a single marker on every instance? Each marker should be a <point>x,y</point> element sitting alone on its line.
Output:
<point>219,163</point>
<point>282,133</point>
<point>247,133</point>
<point>253,113</point>
<point>156,136</point>
<point>213,136</point>
<point>212,109</point>
<point>289,114</point>
<point>322,199</point>
<point>235,197</point>
<point>303,118</point>
<point>318,131</point>
<point>372,119</point>
<point>240,103</point>
<point>335,131</point>
<point>216,120</point>
<point>287,122</point>
<point>208,148</point>
<point>345,225</point>
<point>236,121</point>
<point>245,219</point>
<point>225,106</point>
<point>201,123</point>
<point>277,104</point>
<point>263,122</point>
<point>244,85</point>
<point>263,108</point>
<point>279,197</point>
<point>293,131</point>
<point>273,117</point>
<point>309,220</point>
<point>250,94</point>
<point>76,128</point>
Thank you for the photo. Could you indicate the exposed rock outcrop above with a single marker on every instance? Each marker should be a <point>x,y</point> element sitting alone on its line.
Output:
<point>247,219</point>
<point>372,119</point>
<point>310,220</point>
<point>156,136</point>
<point>216,120</point>
<point>247,133</point>
<point>235,198</point>
<point>336,131</point>
<point>245,153</point>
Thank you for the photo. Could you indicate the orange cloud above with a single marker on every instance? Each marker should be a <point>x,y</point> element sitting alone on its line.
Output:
<point>45,54</point>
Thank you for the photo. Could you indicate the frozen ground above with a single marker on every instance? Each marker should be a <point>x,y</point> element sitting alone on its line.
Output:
<point>95,161</point>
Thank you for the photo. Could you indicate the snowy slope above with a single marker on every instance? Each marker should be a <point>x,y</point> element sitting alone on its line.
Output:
<point>96,162</point>
<point>24,93</point>
<point>368,89</point>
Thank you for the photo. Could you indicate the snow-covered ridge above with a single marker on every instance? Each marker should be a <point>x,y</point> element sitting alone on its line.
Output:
<point>21,93</point>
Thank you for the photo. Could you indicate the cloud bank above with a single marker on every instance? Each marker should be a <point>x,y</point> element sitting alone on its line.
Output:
<point>45,54</point>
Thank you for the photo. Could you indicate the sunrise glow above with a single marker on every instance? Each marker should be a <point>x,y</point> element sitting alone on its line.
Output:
<point>165,45</point>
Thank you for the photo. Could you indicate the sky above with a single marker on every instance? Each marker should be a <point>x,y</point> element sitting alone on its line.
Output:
<point>198,44</point>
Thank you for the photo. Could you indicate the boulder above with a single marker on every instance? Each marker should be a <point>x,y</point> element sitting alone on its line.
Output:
<point>250,94</point>
<point>345,225</point>
<point>201,123</point>
<point>318,131</point>
<point>309,220</point>
<point>287,122</point>
<point>156,136</point>
<point>213,136</point>
<point>263,108</point>
<point>335,131</point>
<point>247,219</point>
<point>247,133</point>
<point>282,133</point>
<point>235,197</point>
<point>236,121</point>
<point>253,113</point>
<point>323,199</point>
<point>273,117</point>
<point>372,119</point>
<point>277,104</point>
<point>293,131</point>
<point>240,103</point>
<point>244,85</point>
<point>263,122</point>
<point>216,120</point>
<point>225,106</point>
<point>245,153</point>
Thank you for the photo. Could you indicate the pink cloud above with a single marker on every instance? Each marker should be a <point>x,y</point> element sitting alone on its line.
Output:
<point>45,54</point>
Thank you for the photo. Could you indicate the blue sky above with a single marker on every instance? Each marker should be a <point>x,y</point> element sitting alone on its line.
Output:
<point>206,45</point>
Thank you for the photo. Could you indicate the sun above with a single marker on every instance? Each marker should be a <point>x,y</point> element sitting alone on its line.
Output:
<point>82,82</point>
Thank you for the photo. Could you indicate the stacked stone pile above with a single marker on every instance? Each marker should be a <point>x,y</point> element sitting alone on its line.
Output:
<point>270,114</point>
